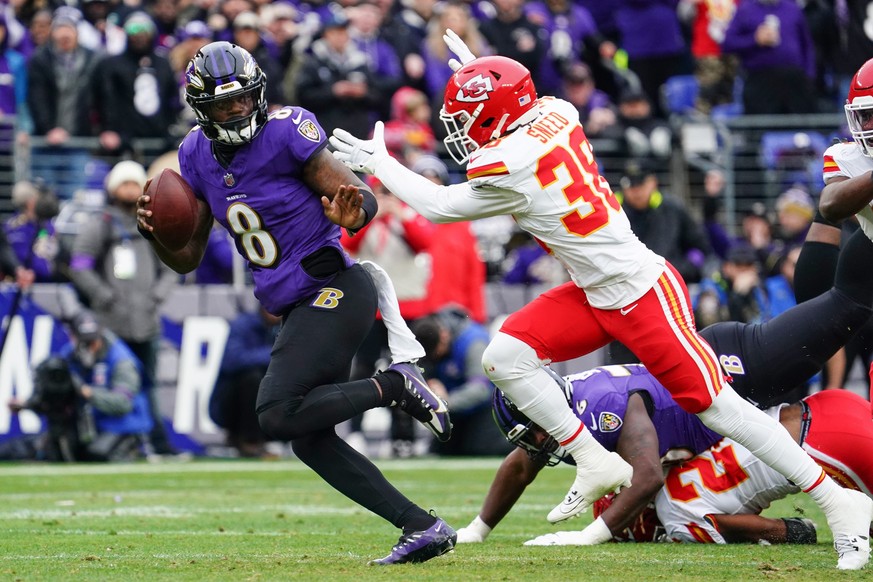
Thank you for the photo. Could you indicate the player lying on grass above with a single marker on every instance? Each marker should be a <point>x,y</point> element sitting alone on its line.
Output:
<point>764,360</point>
<point>715,496</point>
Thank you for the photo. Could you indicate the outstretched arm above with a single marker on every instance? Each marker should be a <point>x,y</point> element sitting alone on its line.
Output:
<point>516,472</point>
<point>842,197</point>
<point>750,529</point>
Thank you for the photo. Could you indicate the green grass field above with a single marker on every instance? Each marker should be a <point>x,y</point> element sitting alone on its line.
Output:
<point>238,520</point>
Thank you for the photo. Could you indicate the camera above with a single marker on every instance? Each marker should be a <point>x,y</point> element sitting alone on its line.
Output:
<point>54,379</point>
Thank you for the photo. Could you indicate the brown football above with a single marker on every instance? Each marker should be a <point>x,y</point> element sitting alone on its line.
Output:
<point>174,209</point>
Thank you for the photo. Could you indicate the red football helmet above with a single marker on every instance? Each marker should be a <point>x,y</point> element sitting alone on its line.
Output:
<point>484,99</point>
<point>859,108</point>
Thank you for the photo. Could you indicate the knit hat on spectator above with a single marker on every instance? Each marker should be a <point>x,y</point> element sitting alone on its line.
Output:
<point>334,19</point>
<point>432,165</point>
<point>194,29</point>
<point>126,171</point>
<point>66,16</point>
<point>577,73</point>
<point>796,200</point>
<point>139,22</point>
<point>247,19</point>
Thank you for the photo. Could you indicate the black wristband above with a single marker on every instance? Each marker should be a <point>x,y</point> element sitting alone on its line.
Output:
<point>822,220</point>
<point>145,234</point>
<point>799,531</point>
<point>370,208</point>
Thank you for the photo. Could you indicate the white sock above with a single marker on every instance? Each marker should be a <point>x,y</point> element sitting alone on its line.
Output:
<point>768,440</point>
<point>517,370</point>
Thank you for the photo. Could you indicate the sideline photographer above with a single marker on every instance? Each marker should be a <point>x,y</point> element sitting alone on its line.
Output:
<point>90,398</point>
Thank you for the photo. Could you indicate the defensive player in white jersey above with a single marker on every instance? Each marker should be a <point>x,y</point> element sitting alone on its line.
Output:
<point>529,157</point>
<point>717,496</point>
<point>847,165</point>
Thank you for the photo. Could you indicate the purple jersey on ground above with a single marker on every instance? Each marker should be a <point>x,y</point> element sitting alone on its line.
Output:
<point>274,218</point>
<point>599,398</point>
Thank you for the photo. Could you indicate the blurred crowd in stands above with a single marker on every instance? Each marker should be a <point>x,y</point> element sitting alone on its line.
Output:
<point>85,79</point>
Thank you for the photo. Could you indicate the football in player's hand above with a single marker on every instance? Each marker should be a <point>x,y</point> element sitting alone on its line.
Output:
<point>174,209</point>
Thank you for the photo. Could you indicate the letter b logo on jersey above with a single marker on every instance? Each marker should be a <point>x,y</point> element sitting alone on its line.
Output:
<point>328,298</point>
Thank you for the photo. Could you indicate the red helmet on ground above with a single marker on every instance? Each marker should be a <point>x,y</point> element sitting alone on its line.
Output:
<point>485,99</point>
<point>859,108</point>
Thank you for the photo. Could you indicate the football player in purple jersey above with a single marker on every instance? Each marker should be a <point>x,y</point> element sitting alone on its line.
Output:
<point>271,182</point>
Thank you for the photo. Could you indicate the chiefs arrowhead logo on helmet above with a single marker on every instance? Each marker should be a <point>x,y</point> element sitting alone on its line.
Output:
<point>475,89</point>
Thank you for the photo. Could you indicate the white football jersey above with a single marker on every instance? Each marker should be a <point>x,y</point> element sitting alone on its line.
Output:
<point>545,176</point>
<point>567,205</point>
<point>726,479</point>
<point>846,159</point>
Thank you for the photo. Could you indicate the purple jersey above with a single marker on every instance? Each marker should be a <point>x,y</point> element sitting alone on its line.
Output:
<point>274,218</point>
<point>599,398</point>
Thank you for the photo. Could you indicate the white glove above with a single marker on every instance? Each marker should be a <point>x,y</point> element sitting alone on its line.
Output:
<point>596,533</point>
<point>475,533</point>
<point>460,48</point>
<point>360,155</point>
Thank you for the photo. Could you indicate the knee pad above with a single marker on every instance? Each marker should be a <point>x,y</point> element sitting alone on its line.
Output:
<point>274,423</point>
<point>508,358</point>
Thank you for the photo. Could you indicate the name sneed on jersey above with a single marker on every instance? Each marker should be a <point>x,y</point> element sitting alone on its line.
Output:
<point>548,127</point>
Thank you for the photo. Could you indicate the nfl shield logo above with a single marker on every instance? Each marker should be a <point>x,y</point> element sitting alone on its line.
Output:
<point>228,180</point>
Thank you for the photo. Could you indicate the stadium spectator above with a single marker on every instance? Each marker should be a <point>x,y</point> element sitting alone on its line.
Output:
<point>651,35</point>
<point>335,82</point>
<point>501,179</point>
<point>328,302</point>
<point>528,263</point>
<point>90,395</point>
<point>735,292</point>
<point>165,14</point>
<point>512,34</point>
<point>247,34</point>
<point>61,78</point>
<point>772,40</point>
<point>13,88</point>
<point>121,279</point>
<point>715,71</point>
<point>405,28</point>
<point>457,271</point>
<point>572,36</point>
<point>365,29</point>
<point>661,222</point>
<point>137,91</point>
<point>31,232</point>
<point>597,114</point>
<point>454,15</point>
<point>100,29</point>
<point>645,135</point>
<point>245,362</point>
<point>280,28</point>
<point>40,28</point>
<point>408,133</point>
<point>453,345</point>
<point>795,210</point>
